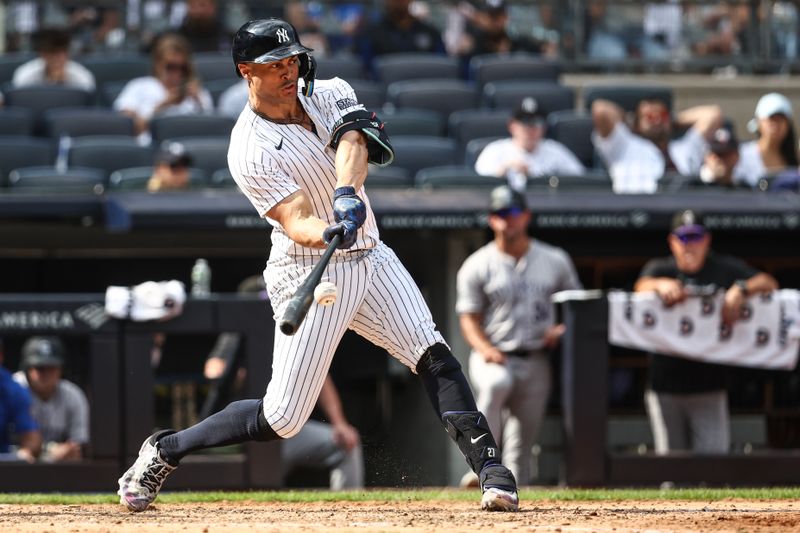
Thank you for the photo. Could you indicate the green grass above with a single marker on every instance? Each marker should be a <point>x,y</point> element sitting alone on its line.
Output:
<point>529,495</point>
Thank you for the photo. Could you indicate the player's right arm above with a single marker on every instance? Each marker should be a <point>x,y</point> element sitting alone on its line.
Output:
<point>295,215</point>
<point>474,334</point>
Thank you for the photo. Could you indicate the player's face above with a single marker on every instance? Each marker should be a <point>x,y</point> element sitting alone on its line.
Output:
<point>690,251</point>
<point>275,80</point>
<point>510,224</point>
<point>44,379</point>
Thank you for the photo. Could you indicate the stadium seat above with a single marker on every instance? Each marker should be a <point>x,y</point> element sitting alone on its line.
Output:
<point>41,98</point>
<point>574,130</point>
<point>108,92</point>
<point>173,126</point>
<point>453,176</point>
<point>369,93</point>
<point>508,95</point>
<point>79,122</point>
<point>217,87</point>
<point>412,122</point>
<point>9,63</point>
<point>626,96</point>
<point>592,181</point>
<point>214,66</point>
<point>474,148</point>
<point>17,151</point>
<point>514,66</point>
<point>415,66</point>
<point>108,153</point>
<point>16,121</point>
<point>209,154</point>
<point>136,178</point>
<point>440,96</point>
<point>390,177</point>
<point>463,126</point>
<point>76,179</point>
<point>346,66</point>
<point>222,178</point>
<point>413,152</point>
<point>112,67</point>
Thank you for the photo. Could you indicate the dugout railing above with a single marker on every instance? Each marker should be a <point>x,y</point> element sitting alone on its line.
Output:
<point>120,389</point>
<point>588,461</point>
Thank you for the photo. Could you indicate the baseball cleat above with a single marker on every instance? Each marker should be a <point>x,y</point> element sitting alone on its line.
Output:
<point>499,489</point>
<point>139,486</point>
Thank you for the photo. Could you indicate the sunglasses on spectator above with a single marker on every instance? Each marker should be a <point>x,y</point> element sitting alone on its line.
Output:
<point>656,116</point>
<point>176,67</point>
<point>508,212</point>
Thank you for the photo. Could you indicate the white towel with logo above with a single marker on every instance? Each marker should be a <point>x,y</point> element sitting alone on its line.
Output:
<point>766,336</point>
<point>151,300</point>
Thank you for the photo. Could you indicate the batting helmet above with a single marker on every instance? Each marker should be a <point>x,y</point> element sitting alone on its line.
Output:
<point>273,39</point>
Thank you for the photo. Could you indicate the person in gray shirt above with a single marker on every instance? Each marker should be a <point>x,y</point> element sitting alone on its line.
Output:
<point>507,317</point>
<point>59,406</point>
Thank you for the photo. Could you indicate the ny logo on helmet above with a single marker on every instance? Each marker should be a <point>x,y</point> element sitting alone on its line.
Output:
<point>282,35</point>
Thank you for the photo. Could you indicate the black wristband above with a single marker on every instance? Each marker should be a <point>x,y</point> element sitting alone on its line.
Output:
<point>347,190</point>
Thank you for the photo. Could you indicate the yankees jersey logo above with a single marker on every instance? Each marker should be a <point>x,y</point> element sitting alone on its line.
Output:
<point>282,35</point>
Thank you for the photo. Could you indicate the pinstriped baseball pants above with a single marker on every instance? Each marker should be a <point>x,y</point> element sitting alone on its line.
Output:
<point>377,299</point>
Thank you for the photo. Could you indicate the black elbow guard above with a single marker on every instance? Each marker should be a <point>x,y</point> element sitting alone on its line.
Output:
<point>378,147</point>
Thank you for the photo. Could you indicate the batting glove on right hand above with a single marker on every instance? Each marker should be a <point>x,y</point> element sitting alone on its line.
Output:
<point>346,228</point>
<point>347,205</point>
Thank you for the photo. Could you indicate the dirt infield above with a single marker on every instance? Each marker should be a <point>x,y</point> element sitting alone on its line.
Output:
<point>735,516</point>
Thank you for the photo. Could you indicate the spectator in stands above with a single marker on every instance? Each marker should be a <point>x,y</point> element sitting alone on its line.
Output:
<point>527,153</point>
<point>686,400</point>
<point>721,158</point>
<point>53,66</point>
<point>638,157</point>
<point>603,41</point>
<point>335,445</point>
<point>60,407</point>
<point>171,171</point>
<point>397,30</point>
<point>172,89</point>
<point>775,149</point>
<point>16,420</point>
<point>508,319</point>
<point>308,29</point>
<point>233,99</point>
<point>204,27</point>
<point>487,33</point>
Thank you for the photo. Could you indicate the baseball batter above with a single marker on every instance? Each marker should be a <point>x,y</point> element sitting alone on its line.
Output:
<point>300,151</point>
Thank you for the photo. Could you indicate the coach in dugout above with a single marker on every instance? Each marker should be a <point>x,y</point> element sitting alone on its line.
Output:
<point>686,400</point>
<point>638,156</point>
<point>59,406</point>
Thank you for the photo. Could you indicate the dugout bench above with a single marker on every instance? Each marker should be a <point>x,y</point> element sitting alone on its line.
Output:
<point>588,462</point>
<point>120,389</point>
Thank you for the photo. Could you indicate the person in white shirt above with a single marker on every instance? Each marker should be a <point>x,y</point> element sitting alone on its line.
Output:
<point>173,89</point>
<point>776,147</point>
<point>527,153</point>
<point>233,99</point>
<point>53,66</point>
<point>637,158</point>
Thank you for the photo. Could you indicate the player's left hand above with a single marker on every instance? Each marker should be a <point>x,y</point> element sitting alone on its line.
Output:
<point>346,436</point>
<point>346,228</point>
<point>732,305</point>
<point>552,336</point>
<point>347,205</point>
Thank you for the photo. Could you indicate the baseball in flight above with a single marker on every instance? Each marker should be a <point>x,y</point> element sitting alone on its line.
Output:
<point>325,293</point>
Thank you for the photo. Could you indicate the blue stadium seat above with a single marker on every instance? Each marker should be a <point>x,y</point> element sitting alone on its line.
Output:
<point>474,148</point>
<point>9,63</point>
<point>214,66</point>
<point>41,98</point>
<point>82,121</point>
<point>469,124</point>
<point>174,126</point>
<point>136,178</point>
<point>17,151</point>
<point>453,176</point>
<point>413,152</point>
<point>439,96</point>
<point>371,94</point>
<point>209,154</point>
<point>108,153</point>
<point>514,66</point>
<point>410,121</point>
<point>591,181</point>
<point>115,67</point>
<point>16,121</point>
<point>78,180</point>
<point>574,130</point>
<point>390,177</point>
<point>508,95</point>
<point>626,96</point>
<point>346,66</point>
<point>415,66</point>
<point>222,178</point>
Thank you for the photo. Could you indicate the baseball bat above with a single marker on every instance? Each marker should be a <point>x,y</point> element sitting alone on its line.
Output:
<point>301,300</point>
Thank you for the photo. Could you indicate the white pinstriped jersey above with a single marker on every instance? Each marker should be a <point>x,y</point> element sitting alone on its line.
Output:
<point>271,161</point>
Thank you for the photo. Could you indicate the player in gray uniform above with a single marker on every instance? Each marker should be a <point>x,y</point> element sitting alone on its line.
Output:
<point>299,152</point>
<point>506,315</point>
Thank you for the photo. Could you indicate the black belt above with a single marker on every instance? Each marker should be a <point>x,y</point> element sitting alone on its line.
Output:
<point>523,353</point>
